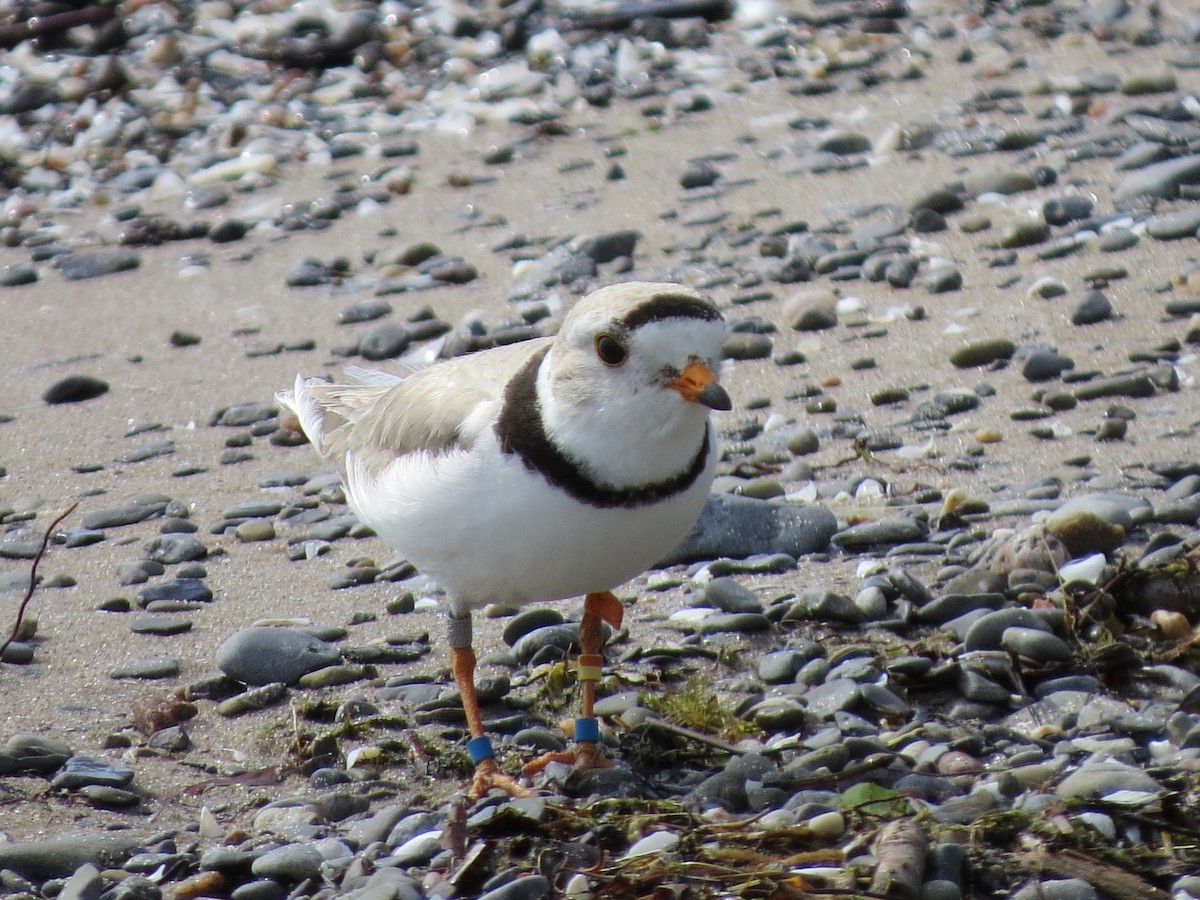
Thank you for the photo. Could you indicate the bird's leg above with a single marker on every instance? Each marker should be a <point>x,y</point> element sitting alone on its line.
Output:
<point>462,660</point>
<point>597,608</point>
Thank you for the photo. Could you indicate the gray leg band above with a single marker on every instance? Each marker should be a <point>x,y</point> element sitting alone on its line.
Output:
<point>458,631</point>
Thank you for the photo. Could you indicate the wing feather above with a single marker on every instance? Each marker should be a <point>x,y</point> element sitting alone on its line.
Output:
<point>382,416</point>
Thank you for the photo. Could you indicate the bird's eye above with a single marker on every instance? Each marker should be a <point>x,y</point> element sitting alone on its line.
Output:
<point>611,351</point>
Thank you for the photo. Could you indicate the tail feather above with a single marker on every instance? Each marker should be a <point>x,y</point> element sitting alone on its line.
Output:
<point>372,377</point>
<point>308,411</point>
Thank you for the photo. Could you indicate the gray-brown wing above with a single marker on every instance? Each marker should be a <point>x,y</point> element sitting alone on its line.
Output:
<point>433,409</point>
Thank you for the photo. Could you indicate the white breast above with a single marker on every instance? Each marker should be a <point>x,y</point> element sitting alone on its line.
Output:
<point>490,530</point>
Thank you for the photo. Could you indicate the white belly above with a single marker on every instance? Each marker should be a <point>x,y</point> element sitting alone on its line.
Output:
<point>489,530</point>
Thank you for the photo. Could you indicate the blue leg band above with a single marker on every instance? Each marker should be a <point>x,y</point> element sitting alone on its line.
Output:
<point>587,729</point>
<point>479,749</point>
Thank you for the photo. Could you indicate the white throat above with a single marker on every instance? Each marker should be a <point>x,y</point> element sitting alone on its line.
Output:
<point>625,439</point>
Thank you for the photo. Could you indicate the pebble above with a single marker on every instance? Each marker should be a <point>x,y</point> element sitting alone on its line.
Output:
<point>1099,779</point>
<point>1057,889</point>
<point>1045,365</point>
<point>139,510</point>
<point>1009,719</point>
<point>173,549</point>
<point>252,700</point>
<point>1069,208</point>
<point>262,655</point>
<point>75,389</point>
<point>1161,180</point>
<point>96,263</point>
<point>741,527</point>
<point>289,863</point>
<point>1092,308</point>
<point>896,530</point>
<point>18,274</point>
<point>79,771</point>
<point>982,353</point>
<point>152,667</point>
<point>33,753</point>
<point>1173,226</point>
<point>147,450</point>
<point>255,530</point>
<point>160,625</point>
<point>531,887</point>
<point>1040,647</point>
<point>185,590</point>
<point>61,857</point>
<point>730,596</point>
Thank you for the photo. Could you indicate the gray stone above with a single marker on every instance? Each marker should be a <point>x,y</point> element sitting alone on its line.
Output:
<point>289,863</point>
<point>558,637</point>
<point>737,623</point>
<point>1173,226</point>
<point>1068,208</point>
<point>33,753</point>
<point>104,797</point>
<point>1161,180</point>
<point>134,887</point>
<point>241,415</point>
<point>1057,889</point>
<point>741,527</point>
<point>528,620</point>
<point>147,450</point>
<point>1093,308</point>
<point>835,694</point>
<point>779,666</point>
<point>731,596</point>
<point>61,857</point>
<point>160,625</point>
<point>95,263</point>
<point>986,632</point>
<point>150,667</point>
<point>1036,645</point>
<point>75,389</point>
<point>262,889</point>
<point>982,353</point>
<point>385,341</point>
<point>1044,365</point>
<point>253,699</point>
<point>1100,778</point>
<point>137,511</point>
<point>263,655</point>
<point>84,884</point>
<point>746,345</point>
<point>884,532</point>
<point>532,887</point>
<point>187,590</point>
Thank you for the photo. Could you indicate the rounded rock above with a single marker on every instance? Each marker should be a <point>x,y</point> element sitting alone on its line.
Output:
<point>1033,644</point>
<point>289,863</point>
<point>982,353</point>
<point>1094,307</point>
<point>75,389</point>
<point>262,655</point>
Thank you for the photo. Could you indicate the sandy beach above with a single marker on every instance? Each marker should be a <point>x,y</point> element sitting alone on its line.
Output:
<point>558,186</point>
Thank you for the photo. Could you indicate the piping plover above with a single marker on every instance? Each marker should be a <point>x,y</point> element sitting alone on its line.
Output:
<point>549,469</point>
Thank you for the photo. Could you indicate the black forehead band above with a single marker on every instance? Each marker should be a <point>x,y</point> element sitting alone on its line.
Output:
<point>669,306</point>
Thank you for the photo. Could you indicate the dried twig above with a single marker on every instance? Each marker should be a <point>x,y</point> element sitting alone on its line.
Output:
<point>13,33</point>
<point>16,629</point>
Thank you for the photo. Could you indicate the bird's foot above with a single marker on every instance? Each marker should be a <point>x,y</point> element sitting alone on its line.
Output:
<point>488,776</point>
<point>586,755</point>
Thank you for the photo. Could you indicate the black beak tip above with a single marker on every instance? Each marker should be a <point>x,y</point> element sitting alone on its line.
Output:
<point>715,397</point>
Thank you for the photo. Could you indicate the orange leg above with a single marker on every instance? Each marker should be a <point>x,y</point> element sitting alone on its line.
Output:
<point>597,608</point>
<point>487,773</point>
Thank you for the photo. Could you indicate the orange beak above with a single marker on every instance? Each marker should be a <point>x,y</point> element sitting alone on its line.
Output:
<point>697,384</point>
